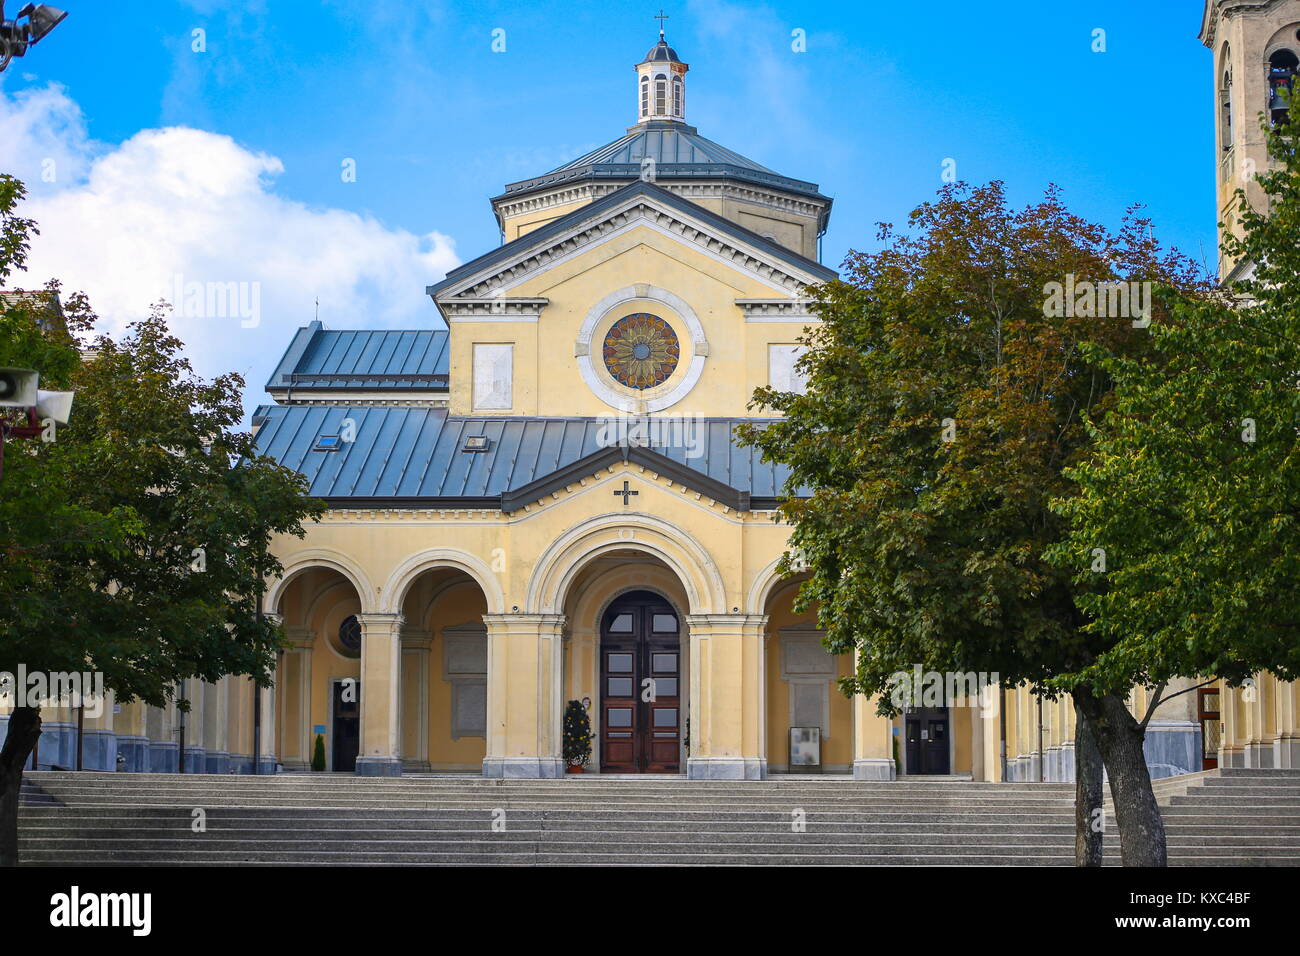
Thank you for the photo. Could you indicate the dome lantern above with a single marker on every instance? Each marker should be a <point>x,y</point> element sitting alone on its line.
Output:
<point>661,83</point>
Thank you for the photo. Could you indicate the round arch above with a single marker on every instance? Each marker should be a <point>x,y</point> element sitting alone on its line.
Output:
<point>559,563</point>
<point>765,584</point>
<point>405,574</point>
<point>321,558</point>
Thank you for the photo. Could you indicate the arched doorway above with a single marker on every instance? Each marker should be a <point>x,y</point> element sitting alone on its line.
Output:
<point>641,725</point>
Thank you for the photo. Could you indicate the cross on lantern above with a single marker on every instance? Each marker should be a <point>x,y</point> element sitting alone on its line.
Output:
<point>625,493</point>
<point>661,18</point>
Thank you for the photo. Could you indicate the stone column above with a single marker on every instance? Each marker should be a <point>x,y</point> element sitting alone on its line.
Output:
<point>1259,709</point>
<point>1232,751</point>
<point>195,753</point>
<point>416,647</point>
<point>1286,747</point>
<point>873,741</point>
<point>293,686</point>
<point>989,716</point>
<point>132,744</point>
<point>381,700</point>
<point>216,759</point>
<point>728,679</point>
<point>525,700</point>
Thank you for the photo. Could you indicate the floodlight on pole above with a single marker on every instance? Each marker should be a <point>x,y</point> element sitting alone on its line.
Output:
<point>33,24</point>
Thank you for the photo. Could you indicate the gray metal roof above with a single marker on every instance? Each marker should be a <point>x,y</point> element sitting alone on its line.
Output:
<point>678,151</point>
<point>403,452</point>
<point>662,51</point>
<point>387,359</point>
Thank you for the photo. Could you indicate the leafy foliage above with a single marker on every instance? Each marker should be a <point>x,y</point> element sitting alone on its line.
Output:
<point>945,403</point>
<point>1194,491</point>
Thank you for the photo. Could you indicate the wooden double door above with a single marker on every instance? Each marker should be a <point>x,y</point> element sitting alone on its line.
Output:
<point>640,686</point>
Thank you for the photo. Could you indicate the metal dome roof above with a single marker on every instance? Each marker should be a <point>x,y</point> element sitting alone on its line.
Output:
<point>678,152</point>
<point>662,51</point>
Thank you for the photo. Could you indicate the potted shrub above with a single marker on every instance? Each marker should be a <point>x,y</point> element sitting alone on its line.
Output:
<point>577,737</point>
<point>318,755</point>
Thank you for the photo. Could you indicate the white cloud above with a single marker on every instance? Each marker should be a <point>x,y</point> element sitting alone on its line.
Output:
<point>126,222</point>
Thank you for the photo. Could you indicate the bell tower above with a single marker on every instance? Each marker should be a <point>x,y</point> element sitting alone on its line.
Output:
<point>661,83</point>
<point>1256,49</point>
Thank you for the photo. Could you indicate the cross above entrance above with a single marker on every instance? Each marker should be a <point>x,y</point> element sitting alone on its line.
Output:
<point>625,493</point>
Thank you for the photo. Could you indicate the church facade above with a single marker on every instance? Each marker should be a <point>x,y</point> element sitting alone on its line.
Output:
<point>546,502</point>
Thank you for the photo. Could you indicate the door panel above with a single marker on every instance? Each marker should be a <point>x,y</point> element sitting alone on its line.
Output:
<point>347,727</point>
<point>927,740</point>
<point>640,686</point>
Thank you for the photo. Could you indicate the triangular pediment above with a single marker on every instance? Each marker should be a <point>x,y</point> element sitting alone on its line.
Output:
<point>658,465</point>
<point>492,276</point>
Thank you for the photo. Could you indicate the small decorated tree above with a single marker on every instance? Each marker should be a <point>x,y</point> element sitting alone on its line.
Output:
<point>577,736</point>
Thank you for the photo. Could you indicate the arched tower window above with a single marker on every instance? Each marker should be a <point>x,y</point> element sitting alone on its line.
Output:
<point>1282,68</point>
<point>677,96</point>
<point>1225,101</point>
<point>661,96</point>
<point>645,96</point>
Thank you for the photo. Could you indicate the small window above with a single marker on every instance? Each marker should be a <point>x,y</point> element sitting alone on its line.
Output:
<point>328,443</point>
<point>493,376</point>
<point>661,96</point>
<point>476,443</point>
<point>622,624</point>
<point>664,624</point>
<point>677,97</point>
<point>781,372</point>
<point>350,634</point>
<point>645,96</point>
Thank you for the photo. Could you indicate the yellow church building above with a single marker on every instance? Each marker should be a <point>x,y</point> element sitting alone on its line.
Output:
<point>546,502</point>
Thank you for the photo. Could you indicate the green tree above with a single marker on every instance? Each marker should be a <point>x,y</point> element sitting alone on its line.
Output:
<point>136,542</point>
<point>1194,490</point>
<point>946,398</point>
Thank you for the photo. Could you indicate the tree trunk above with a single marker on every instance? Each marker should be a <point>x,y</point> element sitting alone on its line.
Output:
<point>24,731</point>
<point>1089,806</point>
<point>1119,738</point>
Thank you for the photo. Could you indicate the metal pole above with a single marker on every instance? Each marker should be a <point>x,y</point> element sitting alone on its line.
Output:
<point>180,717</point>
<point>81,733</point>
<point>257,691</point>
<point>1002,722</point>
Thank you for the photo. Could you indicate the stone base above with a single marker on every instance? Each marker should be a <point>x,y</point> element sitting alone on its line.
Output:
<point>243,763</point>
<point>216,761</point>
<point>164,756</point>
<point>547,768</point>
<point>58,746</point>
<point>726,768</point>
<point>1259,755</point>
<point>195,760</point>
<point>1172,748</point>
<point>1232,758</point>
<point>99,750</point>
<point>1066,763</point>
<point>134,752</point>
<point>378,767</point>
<point>874,768</point>
<point>1286,753</point>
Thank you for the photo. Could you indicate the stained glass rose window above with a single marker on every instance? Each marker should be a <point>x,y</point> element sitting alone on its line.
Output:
<point>641,350</point>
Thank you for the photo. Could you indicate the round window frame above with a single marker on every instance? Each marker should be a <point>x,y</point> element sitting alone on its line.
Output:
<point>693,346</point>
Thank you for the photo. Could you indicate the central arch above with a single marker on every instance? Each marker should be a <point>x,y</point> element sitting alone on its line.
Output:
<point>564,559</point>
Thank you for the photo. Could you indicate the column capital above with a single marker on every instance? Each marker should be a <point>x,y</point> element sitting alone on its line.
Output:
<point>727,623</point>
<point>523,623</point>
<point>380,620</point>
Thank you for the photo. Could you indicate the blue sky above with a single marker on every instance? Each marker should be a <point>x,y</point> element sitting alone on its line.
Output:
<point>437,122</point>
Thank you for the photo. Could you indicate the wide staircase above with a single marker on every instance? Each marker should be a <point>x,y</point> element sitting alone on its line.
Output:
<point>1234,817</point>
